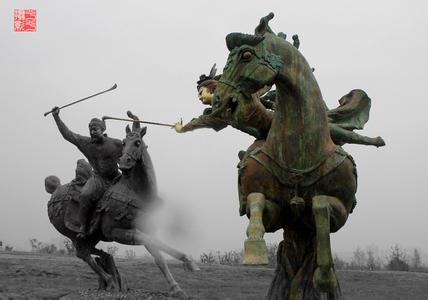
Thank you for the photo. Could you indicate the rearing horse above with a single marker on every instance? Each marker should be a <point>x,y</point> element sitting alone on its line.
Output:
<point>120,216</point>
<point>298,179</point>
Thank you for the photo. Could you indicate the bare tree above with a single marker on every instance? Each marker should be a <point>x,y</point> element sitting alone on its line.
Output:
<point>373,260</point>
<point>359,261</point>
<point>339,263</point>
<point>416,261</point>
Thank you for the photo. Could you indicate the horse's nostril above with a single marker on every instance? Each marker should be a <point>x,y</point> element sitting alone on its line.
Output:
<point>128,160</point>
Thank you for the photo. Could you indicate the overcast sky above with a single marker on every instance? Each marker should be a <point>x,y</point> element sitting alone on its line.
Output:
<point>155,52</point>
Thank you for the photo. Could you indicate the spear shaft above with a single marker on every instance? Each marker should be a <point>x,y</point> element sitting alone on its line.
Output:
<point>139,121</point>
<point>72,103</point>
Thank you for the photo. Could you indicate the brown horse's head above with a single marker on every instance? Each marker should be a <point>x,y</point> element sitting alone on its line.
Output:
<point>250,66</point>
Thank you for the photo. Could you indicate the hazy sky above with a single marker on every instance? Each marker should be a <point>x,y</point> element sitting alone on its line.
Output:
<point>155,52</point>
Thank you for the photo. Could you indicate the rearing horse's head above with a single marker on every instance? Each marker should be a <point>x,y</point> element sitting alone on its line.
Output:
<point>134,148</point>
<point>250,66</point>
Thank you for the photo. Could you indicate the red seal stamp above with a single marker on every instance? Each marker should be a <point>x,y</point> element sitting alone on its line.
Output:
<point>24,20</point>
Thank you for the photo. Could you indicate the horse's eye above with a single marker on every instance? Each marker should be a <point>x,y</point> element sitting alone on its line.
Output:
<point>123,143</point>
<point>137,143</point>
<point>247,55</point>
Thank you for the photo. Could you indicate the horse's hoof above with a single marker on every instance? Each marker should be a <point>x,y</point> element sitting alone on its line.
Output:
<point>379,142</point>
<point>111,285</point>
<point>190,266</point>
<point>325,280</point>
<point>177,292</point>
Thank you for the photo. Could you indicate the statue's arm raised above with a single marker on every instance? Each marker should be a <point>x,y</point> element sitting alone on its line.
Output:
<point>63,129</point>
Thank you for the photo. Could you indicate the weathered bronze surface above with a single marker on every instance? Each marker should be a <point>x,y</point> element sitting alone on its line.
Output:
<point>304,182</point>
<point>120,214</point>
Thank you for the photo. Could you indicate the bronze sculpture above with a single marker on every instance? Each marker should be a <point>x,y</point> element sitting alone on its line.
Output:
<point>102,153</point>
<point>297,179</point>
<point>118,216</point>
<point>352,113</point>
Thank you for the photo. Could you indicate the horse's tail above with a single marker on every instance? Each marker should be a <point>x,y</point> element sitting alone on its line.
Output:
<point>52,182</point>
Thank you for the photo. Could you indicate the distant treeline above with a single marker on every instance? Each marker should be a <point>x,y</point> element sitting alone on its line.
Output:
<point>397,259</point>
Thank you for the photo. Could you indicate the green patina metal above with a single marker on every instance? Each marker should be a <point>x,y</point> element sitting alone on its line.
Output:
<point>302,181</point>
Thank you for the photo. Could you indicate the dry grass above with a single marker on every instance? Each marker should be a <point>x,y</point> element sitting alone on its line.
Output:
<point>27,275</point>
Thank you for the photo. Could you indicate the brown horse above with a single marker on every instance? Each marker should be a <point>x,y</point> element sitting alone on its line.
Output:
<point>119,216</point>
<point>297,179</point>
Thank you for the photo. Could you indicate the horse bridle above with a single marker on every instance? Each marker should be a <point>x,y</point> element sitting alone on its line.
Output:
<point>137,154</point>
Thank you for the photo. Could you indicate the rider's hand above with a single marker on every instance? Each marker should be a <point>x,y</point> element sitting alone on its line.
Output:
<point>178,126</point>
<point>55,111</point>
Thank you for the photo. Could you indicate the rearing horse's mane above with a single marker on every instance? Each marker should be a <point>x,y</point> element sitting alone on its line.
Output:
<point>236,39</point>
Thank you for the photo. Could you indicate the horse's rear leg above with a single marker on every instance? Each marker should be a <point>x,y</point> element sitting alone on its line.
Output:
<point>137,237</point>
<point>329,214</point>
<point>84,253</point>
<point>255,250</point>
<point>106,261</point>
<point>175,289</point>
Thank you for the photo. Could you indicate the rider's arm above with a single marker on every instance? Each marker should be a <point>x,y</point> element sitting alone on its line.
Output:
<point>67,134</point>
<point>204,121</point>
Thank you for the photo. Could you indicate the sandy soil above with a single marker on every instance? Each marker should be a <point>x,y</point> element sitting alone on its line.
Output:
<point>29,275</point>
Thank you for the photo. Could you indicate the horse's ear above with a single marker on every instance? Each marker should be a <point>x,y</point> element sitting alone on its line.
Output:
<point>128,130</point>
<point>143,131</point>
<point>263,26</point>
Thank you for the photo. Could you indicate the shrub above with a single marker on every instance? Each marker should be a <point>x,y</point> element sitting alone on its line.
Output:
<point>207,258</point>
<point>231,258</point>
<point>397,260</point>
<point>69,247</point>
<point>130,254</point>
<point>112,250</point>
<point>272,253</point>
<point>48,249</point>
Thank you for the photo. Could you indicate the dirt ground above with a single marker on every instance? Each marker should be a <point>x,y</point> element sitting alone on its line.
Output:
<point>36,276</point>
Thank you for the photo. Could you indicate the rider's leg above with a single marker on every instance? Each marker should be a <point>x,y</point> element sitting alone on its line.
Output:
<point>341,136</point>
<point>86,203</point>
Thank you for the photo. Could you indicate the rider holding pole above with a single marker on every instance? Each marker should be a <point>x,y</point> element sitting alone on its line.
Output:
<point>102,153</point>
<point>352,113</point>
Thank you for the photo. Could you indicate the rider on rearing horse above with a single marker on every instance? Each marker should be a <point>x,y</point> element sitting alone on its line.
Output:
<point>103,154</point>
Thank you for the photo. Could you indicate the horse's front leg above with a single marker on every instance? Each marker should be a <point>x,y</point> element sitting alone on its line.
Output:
<point>175,289</point>
<point>329,215</point>
<point>255,250</point>
<point>137,237</point>
<point>263,216</point>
